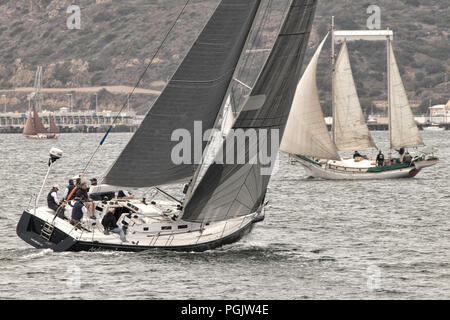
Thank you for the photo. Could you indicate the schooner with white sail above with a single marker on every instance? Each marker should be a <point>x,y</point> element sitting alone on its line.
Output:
<point>229,198</point>
<point>306,137</point>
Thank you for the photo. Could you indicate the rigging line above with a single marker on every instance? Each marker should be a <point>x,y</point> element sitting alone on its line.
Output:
<point>137,84</point>
<point>257,35</point>
<point>129,96</point>
<point>168,195</point>
<point>242,83</point>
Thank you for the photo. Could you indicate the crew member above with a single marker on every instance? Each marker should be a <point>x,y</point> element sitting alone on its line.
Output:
<point>109,222</point>
<point>52,198</point>
<point>124,194</point>
<point>79,209</point>
<point>380,159</point>
<point>69,189</point>
<point>82,193</point>
<point>356,155</point>
<point>407,157</point>
<point>93,181</point>
<point>401,152</point>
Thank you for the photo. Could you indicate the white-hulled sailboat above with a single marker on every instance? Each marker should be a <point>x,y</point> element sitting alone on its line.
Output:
<point>307,140</point>
<point>229,198</point>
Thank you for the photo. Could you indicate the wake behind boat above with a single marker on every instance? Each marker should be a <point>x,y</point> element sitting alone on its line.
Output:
<point>221,205</point>
<point>306,137</point>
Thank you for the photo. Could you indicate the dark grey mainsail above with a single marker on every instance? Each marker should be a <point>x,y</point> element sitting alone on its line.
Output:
<point>195,93</point>
<point>232,190</point>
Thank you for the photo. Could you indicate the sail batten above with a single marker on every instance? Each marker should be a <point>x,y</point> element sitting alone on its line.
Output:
<point>351,131</point>
<point>231,189</point>
<point>403,127</point>
<point>195,93</point>
<point>306,132</point>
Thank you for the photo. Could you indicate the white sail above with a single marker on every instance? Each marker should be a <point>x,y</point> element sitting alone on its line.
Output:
<point>404,131</point>
<point>306,132</point>
<point>350,128</point>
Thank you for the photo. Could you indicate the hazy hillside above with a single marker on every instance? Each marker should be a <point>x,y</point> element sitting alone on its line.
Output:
<point>117,39</point>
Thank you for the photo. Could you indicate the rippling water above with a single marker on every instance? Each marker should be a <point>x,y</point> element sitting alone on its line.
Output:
<point>321,239</point>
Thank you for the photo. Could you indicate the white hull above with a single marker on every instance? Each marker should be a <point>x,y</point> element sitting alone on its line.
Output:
<point>146,230</point>
<point>346,173</point>
<point>433,128</point>
<point>41,136</point>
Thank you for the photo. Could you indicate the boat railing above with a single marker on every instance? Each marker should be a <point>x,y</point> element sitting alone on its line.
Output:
<point>33,197</point>
<point>429,151</point>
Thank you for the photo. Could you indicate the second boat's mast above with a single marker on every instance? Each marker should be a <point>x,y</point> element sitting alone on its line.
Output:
<point>333,113</point>
<point>388,47</point>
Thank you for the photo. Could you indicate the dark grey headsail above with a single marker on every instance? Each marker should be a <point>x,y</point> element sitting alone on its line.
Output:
<point>232,190</point>
<point>195,93</point>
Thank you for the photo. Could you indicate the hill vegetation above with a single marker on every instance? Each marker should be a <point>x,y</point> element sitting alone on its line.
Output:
<point>117,39</point>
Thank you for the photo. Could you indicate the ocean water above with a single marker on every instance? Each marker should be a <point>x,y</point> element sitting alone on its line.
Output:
<point>320,239</point>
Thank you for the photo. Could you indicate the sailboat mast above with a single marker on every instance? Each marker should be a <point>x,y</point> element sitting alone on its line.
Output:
<point>333,70</point>
<point>388,47</point>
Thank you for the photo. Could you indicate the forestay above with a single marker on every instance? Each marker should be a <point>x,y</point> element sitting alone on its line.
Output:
<point>404,130</point>
<point>231,190</point>
<point>195,93</point>
<point>350,128</point>
<point>306,131</point>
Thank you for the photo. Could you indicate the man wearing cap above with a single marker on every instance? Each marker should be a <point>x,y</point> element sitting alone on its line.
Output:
<point>52,198</point>
<point>93,181</point>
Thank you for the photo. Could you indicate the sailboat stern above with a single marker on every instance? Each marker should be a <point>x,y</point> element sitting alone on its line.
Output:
<point>41,235</point>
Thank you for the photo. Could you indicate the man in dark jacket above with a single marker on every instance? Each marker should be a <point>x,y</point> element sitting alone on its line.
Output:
<point>407,157</point>
<point>78,211</point>
<point>82,193</point>
<point>69,189</point>
<point>109,222</point>
<point>356,154</point>
<point>52,198</point>
<point>380,159</point>
<point>401,153</point>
